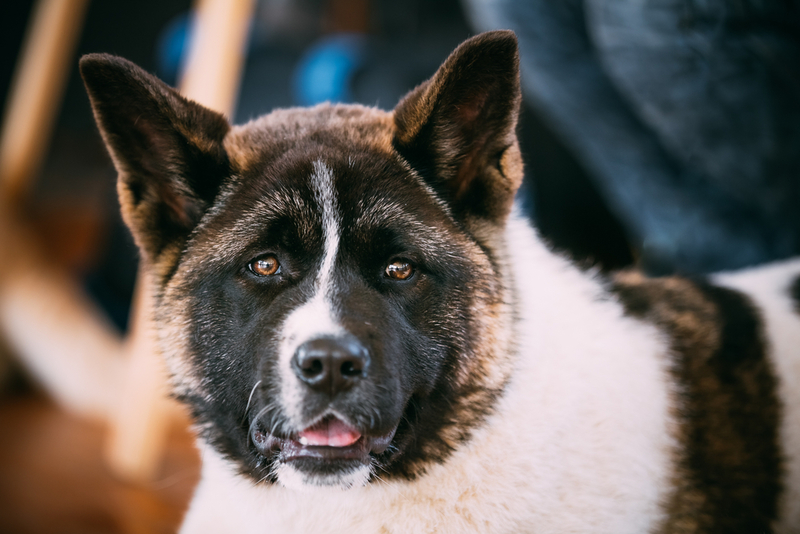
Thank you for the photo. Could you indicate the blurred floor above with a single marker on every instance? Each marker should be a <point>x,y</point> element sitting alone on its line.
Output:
<point>53,478</point>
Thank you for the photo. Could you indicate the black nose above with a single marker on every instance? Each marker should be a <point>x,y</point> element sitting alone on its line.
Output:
<point>331,365</point>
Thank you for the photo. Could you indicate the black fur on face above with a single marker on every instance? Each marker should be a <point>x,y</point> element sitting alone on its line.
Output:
<point>328,199</point>
<point>415,330</point>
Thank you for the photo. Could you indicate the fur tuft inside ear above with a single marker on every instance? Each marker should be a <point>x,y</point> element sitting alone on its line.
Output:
<point>167,150</point>
<point>458,129</point>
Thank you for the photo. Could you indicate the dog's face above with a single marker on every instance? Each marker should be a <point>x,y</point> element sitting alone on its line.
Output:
<point>331,293</point>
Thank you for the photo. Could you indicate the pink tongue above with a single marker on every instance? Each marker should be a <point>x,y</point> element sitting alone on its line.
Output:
<point>332,432</point>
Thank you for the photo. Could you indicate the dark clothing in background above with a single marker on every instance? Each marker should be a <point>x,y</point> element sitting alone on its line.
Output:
<point>685,113</point>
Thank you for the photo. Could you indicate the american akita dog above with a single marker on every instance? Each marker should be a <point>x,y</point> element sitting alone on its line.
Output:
<point>372,338</point>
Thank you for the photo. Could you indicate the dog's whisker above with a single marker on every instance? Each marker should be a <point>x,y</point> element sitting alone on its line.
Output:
<point>274,428</point>
<point>249,399</point>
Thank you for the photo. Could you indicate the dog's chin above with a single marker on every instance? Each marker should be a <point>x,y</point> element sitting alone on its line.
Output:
<point>328,454</point>
<point>297,477</point>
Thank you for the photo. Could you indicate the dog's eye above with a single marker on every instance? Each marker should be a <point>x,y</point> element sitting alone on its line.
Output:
<point>399,270</point>
<point>266,265</point>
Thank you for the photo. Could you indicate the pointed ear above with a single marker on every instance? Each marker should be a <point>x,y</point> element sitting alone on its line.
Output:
<point>167,150</point>
<point>458,129</point>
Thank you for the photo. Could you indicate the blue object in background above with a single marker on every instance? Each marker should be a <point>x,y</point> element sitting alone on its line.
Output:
<point>172,48</point>
<point>326,70</point>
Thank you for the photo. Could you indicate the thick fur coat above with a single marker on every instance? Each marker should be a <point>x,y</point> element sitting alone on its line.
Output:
<point>372,339</point>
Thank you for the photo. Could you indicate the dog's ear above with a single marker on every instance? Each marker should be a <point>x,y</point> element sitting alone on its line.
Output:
<point>458,129</point>
<point>167,150</point>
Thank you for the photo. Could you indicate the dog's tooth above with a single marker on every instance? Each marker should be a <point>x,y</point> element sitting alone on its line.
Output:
<point>303,440</point>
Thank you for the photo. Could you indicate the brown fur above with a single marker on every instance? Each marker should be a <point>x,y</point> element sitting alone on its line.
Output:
<point>354,125</point>
<point>727,474</point>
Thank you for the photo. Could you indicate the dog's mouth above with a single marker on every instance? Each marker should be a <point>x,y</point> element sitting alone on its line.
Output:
<point>329,441</point>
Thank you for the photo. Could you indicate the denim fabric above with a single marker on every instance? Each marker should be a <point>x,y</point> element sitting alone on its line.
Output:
<point>686,114</point>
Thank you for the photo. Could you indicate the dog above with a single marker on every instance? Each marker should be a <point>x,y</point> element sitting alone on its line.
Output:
<point>372,338</point>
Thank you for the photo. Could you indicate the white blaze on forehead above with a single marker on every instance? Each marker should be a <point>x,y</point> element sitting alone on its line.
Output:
<point>316,317</point>
<point>322,182</point>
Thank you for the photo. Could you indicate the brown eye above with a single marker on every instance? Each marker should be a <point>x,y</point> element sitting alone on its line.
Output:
<point>399,270</point>
<point>265,265</point>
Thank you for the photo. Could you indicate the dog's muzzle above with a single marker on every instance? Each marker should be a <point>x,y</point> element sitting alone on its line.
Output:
<point>330,368</point>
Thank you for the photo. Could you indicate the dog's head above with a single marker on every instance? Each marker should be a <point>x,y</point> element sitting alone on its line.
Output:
<point>331,292</point>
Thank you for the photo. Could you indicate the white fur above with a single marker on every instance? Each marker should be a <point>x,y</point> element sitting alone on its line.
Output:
<point>316,318</point>
<point>768,287</point>
<point>322,179</point>
<point>581,441</point>
<point>295,480</point>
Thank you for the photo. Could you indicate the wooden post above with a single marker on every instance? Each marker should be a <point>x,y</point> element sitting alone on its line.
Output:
<point>141,416</point>
<point>214,69</point>
<point>63,340</point>
<point>36,92</point>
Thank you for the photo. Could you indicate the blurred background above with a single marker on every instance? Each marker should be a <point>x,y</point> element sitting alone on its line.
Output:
<point>663,135</point>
